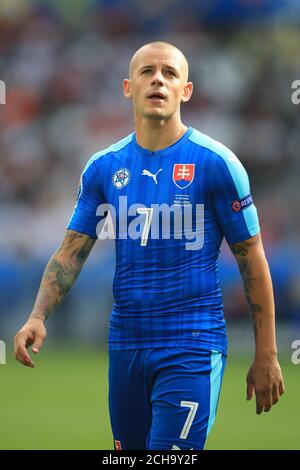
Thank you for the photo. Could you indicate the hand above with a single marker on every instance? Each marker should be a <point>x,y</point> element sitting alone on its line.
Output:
<point>265,378</point>
<point>33,333</point>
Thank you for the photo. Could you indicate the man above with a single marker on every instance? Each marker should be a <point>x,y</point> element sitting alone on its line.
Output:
<point>167,339</point>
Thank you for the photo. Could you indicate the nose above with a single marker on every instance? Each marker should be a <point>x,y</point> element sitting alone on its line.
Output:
<point>157,78</point>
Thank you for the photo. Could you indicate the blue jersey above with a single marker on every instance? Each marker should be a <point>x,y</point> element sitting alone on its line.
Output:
<point>166,287</point>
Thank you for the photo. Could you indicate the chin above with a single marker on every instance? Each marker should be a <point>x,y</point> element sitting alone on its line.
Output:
<point>156,115</point>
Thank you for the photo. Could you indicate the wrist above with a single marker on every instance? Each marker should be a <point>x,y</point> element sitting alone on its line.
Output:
<point>269,354</point>
<point>36,316</point>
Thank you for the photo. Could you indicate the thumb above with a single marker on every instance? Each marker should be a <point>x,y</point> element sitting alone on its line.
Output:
<point>250,390</point>
<point>38,342</point>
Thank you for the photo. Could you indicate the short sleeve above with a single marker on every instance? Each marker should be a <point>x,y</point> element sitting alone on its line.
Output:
<point>232,198</point>
<point>89,197</point>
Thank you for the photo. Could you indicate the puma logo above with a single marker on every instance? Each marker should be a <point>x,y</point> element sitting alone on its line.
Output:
<point>148,173</point>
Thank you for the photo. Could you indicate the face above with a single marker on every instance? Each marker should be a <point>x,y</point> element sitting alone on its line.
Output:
<point>158,82</point>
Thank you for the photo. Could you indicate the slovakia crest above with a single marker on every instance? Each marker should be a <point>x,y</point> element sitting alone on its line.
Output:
<point>183,174</point>
<point>121,178</point>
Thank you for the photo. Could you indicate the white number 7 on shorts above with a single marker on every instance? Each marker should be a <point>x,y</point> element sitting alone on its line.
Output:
<point>189,420</point>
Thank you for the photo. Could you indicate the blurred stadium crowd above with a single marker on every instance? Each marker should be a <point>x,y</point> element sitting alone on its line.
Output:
<point>63,64</point>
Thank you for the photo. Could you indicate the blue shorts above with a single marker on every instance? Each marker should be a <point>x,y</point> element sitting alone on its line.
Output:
<point>163,398</point>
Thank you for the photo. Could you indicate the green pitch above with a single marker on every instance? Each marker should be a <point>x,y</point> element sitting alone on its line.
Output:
<point>62,404</point>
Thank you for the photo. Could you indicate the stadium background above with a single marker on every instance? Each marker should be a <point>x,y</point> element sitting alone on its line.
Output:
<point>63,63</point>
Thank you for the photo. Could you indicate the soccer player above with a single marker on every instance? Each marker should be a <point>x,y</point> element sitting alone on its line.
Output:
<point>167,337</point>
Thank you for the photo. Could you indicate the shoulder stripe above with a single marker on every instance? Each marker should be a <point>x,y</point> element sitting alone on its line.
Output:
<point>235,168</point>
<point>112,148</point>
<point>237,171</point>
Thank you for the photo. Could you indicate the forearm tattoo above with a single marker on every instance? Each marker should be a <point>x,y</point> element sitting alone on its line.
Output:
<point>61,272</point>
<point>250,283</point>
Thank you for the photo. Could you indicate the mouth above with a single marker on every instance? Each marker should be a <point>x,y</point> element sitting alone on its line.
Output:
<point>156,96</point>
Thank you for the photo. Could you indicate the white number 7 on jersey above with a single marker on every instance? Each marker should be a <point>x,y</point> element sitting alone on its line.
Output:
<point>148,211</point>
<point>191,416</point>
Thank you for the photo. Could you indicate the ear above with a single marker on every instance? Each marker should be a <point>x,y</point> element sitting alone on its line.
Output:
<point>127,88</point>
<point>187,92</point>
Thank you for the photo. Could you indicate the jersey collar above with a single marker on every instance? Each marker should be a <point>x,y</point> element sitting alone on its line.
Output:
<point>166,150</point>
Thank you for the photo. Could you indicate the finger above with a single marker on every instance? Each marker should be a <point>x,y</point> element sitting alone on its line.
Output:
<point>38,342</point>
<point>21,352</point>
<point>28,363</point>
<point>250,390</point>
<point>260,401</point>
<point>275,394</point>
<point>23,357</point>
<point>268,400</point>
<point>281,388</point>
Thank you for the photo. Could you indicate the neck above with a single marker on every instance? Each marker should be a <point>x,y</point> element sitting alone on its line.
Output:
<point>157,135</point>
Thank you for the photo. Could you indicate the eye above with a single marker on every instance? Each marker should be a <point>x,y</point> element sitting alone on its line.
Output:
<point>171,73</point>
<point>146,71</point>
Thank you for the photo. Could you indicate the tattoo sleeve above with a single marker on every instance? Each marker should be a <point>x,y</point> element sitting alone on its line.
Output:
<point>258,289</point>
<point>250,280</point>
<point>61,272</point>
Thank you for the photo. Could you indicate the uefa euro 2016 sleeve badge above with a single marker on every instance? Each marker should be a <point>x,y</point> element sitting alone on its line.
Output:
<point>121,178</point>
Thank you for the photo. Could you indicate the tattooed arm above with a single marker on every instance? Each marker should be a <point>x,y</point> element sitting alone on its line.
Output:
<point>264,377</point>
<point>60,274</point>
